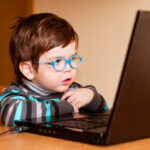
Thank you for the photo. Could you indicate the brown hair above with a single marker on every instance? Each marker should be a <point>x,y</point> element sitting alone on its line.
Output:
<point>36,34</point>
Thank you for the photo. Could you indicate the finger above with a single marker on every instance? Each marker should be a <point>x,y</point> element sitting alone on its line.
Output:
<point>71,100</point>
<point>78,105</point>
<point>66,95</point>
<point>75,102</point>
<point>76,110</point>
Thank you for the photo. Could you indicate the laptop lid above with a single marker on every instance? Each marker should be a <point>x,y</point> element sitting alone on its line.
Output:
<point>130,116</point>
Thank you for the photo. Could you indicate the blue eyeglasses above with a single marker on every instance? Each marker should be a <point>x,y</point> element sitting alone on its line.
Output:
<point>60,63</point>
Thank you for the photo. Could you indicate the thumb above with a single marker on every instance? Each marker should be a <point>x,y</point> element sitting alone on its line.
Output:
<point>66,95</point>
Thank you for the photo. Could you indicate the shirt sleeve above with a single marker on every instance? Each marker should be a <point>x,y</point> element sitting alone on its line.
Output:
<point>16,107</point>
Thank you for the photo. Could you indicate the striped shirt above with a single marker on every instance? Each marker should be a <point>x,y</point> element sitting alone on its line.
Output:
<point>29,102</point>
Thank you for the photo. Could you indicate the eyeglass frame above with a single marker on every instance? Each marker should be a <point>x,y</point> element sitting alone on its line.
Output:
<point>67,61</point>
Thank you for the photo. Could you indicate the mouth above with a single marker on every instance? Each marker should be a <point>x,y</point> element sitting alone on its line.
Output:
<point>66,81</point>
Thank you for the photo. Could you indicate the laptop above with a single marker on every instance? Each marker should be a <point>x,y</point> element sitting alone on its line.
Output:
<point>130,117</point>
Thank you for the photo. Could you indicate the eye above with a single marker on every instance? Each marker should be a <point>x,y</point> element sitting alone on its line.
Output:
<point>58,60</point>
<point>74,58</point>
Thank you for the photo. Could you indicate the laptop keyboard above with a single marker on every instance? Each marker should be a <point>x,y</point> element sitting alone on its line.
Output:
<point>85,123</point>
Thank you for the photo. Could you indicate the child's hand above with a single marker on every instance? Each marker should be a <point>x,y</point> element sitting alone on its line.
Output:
<point>79,97</point>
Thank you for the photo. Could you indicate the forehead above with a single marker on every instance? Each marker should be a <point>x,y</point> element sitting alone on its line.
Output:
<point>60,51</point>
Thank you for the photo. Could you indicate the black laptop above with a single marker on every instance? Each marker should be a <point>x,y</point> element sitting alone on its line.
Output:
<point>130,116</point>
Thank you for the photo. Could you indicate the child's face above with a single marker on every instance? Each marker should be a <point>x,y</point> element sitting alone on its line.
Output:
<point>48,78</point>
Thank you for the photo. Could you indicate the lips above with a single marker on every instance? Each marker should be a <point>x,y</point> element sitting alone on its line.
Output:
<point>66,81</point>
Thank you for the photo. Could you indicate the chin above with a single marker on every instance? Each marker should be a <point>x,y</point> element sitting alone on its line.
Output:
<point>62,89</point>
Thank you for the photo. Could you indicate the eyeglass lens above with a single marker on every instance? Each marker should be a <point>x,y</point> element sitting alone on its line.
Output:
<point>60,63</point>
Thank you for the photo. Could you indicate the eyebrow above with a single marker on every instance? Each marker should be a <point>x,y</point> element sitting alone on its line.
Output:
<point>52,58</point>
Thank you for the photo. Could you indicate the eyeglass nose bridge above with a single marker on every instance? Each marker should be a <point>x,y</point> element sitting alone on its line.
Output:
<point>68,61</point>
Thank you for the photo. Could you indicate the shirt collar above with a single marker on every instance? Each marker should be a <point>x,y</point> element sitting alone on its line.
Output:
<point>35,88</point>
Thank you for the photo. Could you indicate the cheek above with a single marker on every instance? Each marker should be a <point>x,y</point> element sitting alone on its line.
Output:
<point>49,81</point>
<point>47,75</point>
<point>51,77</point>
<point>74,72</point>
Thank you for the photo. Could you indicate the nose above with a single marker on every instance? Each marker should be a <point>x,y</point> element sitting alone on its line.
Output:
<point>68,67</point>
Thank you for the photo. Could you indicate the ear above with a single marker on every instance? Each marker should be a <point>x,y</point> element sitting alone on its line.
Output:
<point>27,70</point>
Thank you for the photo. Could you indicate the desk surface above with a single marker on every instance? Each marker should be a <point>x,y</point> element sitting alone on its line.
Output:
<point>26,141</point>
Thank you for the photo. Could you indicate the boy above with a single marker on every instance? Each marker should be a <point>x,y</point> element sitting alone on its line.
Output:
<point>43,50</point>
